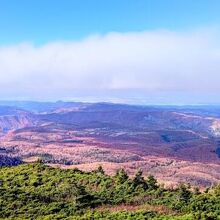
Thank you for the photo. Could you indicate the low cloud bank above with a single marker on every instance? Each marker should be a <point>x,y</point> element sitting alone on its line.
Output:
<point>150,61</point>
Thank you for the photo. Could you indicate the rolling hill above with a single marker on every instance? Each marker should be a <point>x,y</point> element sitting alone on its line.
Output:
<point>174,143</point>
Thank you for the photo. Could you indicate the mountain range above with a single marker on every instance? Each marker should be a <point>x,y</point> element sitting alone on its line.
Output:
<point>174,143</point>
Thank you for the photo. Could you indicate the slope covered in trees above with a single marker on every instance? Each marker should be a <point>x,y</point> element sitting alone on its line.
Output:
<point>36,191</point>
<point>9,161</point>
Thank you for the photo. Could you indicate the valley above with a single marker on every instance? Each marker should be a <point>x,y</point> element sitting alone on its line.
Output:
<point>175,144</point>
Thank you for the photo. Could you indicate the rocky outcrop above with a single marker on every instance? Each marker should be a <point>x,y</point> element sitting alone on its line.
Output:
<point>215,128</point>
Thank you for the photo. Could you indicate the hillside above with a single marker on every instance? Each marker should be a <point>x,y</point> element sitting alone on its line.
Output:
<point>36,191</point>
<point>171,142</point>
<point>12,118</point>
<point>9,161</point>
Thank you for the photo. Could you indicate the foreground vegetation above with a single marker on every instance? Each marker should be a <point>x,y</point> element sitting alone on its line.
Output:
<point>36,191</point>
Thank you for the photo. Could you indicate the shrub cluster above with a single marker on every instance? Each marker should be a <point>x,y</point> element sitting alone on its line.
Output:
<point>37,191</point>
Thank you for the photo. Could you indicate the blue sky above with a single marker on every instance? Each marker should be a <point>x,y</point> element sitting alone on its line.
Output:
<point>42,21</point>
<point>132,51</point>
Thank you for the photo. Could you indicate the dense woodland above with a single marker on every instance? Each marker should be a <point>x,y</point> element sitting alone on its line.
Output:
<point>37,191</point>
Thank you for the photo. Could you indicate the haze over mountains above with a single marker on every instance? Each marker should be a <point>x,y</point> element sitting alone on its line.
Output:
<point>174,143</point>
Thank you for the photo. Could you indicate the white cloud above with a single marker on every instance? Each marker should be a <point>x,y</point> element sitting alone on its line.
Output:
<point>150,61</point>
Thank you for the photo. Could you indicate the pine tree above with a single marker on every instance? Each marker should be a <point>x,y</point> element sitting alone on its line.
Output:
<point>100,170</point>
<point>152,182</point>
<point>139,181</point>
<point>121,176</point>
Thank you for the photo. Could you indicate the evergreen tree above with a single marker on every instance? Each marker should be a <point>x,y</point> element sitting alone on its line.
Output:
<point>184,193</point>
<point>139,181</point>
<point>152,182</point>
<point>100,170</point>
<point>121,176</point>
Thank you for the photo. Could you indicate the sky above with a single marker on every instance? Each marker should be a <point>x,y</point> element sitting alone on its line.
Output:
<point>129,51</point>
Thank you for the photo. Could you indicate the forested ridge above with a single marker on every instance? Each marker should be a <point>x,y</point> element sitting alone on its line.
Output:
<point>37,191</point>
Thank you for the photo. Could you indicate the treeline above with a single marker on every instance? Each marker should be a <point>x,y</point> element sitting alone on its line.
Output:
<point>36,191</point>
<point>9,161</point>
